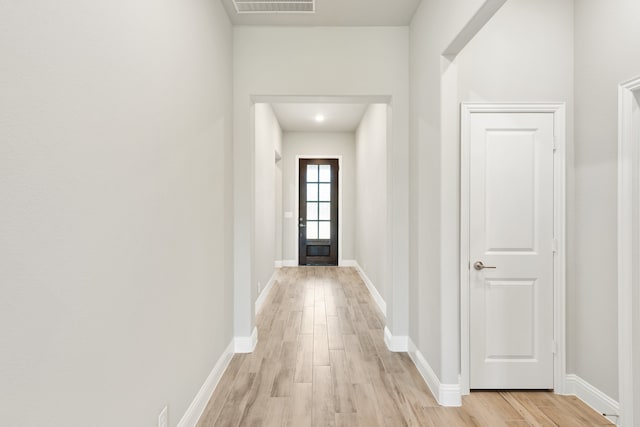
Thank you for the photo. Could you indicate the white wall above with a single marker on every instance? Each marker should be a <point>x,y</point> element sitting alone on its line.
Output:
<point>433,298</point>
<point>322,61</point>
<point>268,141</point>
<point>523,54</point>
<point>318,144</point>
<point>607,42</point>
<point>371,196</point>
<point>114,155</point>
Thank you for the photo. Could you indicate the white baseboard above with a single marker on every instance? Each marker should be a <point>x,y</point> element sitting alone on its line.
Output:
<point>265,292</point>
<point>348,263</point>
<point>197,407</point>
<point>289,263</point>
<point>246,344</point>
<point>277,264</point>
<point>445,394</point>
<point>398,344</point>
<point>380,302</point>
<point>593,397</point>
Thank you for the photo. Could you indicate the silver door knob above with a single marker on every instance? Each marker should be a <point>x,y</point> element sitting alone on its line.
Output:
<point>478,265</point>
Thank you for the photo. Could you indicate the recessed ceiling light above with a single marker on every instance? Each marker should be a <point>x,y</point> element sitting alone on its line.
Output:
<point>319,118</point>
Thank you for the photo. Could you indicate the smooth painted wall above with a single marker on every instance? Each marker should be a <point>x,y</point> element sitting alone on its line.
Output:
<point>322,61</point>
<point>523,54</point>
<point>315,144</point>
<point>268,142</point>
<point>433,212</point>
<point>371,201</point>
<point>115,148</point>
<point>607,42</point>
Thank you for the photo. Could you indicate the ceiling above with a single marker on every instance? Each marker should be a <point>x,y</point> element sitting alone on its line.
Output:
<point>300,117</point>
<point>334,13</point>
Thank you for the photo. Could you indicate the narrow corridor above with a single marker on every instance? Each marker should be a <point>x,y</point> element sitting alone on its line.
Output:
<point>321,360</point>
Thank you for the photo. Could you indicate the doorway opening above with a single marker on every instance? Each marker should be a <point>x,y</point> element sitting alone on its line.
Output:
<point>266,191</point>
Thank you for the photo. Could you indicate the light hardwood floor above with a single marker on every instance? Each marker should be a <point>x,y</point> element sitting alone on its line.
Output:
<point>321,361</point>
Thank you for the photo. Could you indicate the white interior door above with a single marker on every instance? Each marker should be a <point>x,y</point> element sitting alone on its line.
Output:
<point>511,299</point>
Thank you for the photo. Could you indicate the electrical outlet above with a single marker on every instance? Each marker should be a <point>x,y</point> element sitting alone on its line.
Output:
<point>163,418</point>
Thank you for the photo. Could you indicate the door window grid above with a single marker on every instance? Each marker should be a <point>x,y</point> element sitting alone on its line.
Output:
<point>318,202</point>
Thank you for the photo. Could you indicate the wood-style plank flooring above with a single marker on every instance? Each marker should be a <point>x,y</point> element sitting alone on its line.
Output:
<point>321,361</point>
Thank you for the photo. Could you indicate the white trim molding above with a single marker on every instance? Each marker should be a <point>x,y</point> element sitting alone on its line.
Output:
<point>445,394</point>
<point>593,397</point>
<point>199,403</point>
<point>396,343</point>
<point>246,344</point>
<point>277,264</point>
<point>289,263</point>
<point>265,292</point>
<point>628,246</point>
<point>348,263</point>
<point>559,213</point>
<point>380,302</point>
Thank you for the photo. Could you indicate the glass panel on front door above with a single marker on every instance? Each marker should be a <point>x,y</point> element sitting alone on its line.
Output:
<point>318,202</point>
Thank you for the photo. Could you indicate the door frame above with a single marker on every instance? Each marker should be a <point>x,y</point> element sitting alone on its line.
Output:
<point>628,285</point>
<point>297,203</point>
<point>559,213</point>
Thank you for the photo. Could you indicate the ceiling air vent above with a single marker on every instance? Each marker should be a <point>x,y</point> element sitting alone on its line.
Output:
<point>275,6</point>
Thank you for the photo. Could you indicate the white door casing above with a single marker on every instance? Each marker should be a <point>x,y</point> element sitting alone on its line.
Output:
<point>511,192</point>
<point>629,251</point>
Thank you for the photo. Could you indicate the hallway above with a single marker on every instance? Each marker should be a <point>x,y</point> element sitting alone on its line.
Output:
<point>321,360</point>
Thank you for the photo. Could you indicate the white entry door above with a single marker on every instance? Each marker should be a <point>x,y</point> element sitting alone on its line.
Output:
<point>511,214</point>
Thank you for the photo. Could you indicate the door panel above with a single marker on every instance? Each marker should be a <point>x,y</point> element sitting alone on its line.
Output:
<point>318,208</point>
<point>511,234</point>
<point>510,175</point>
